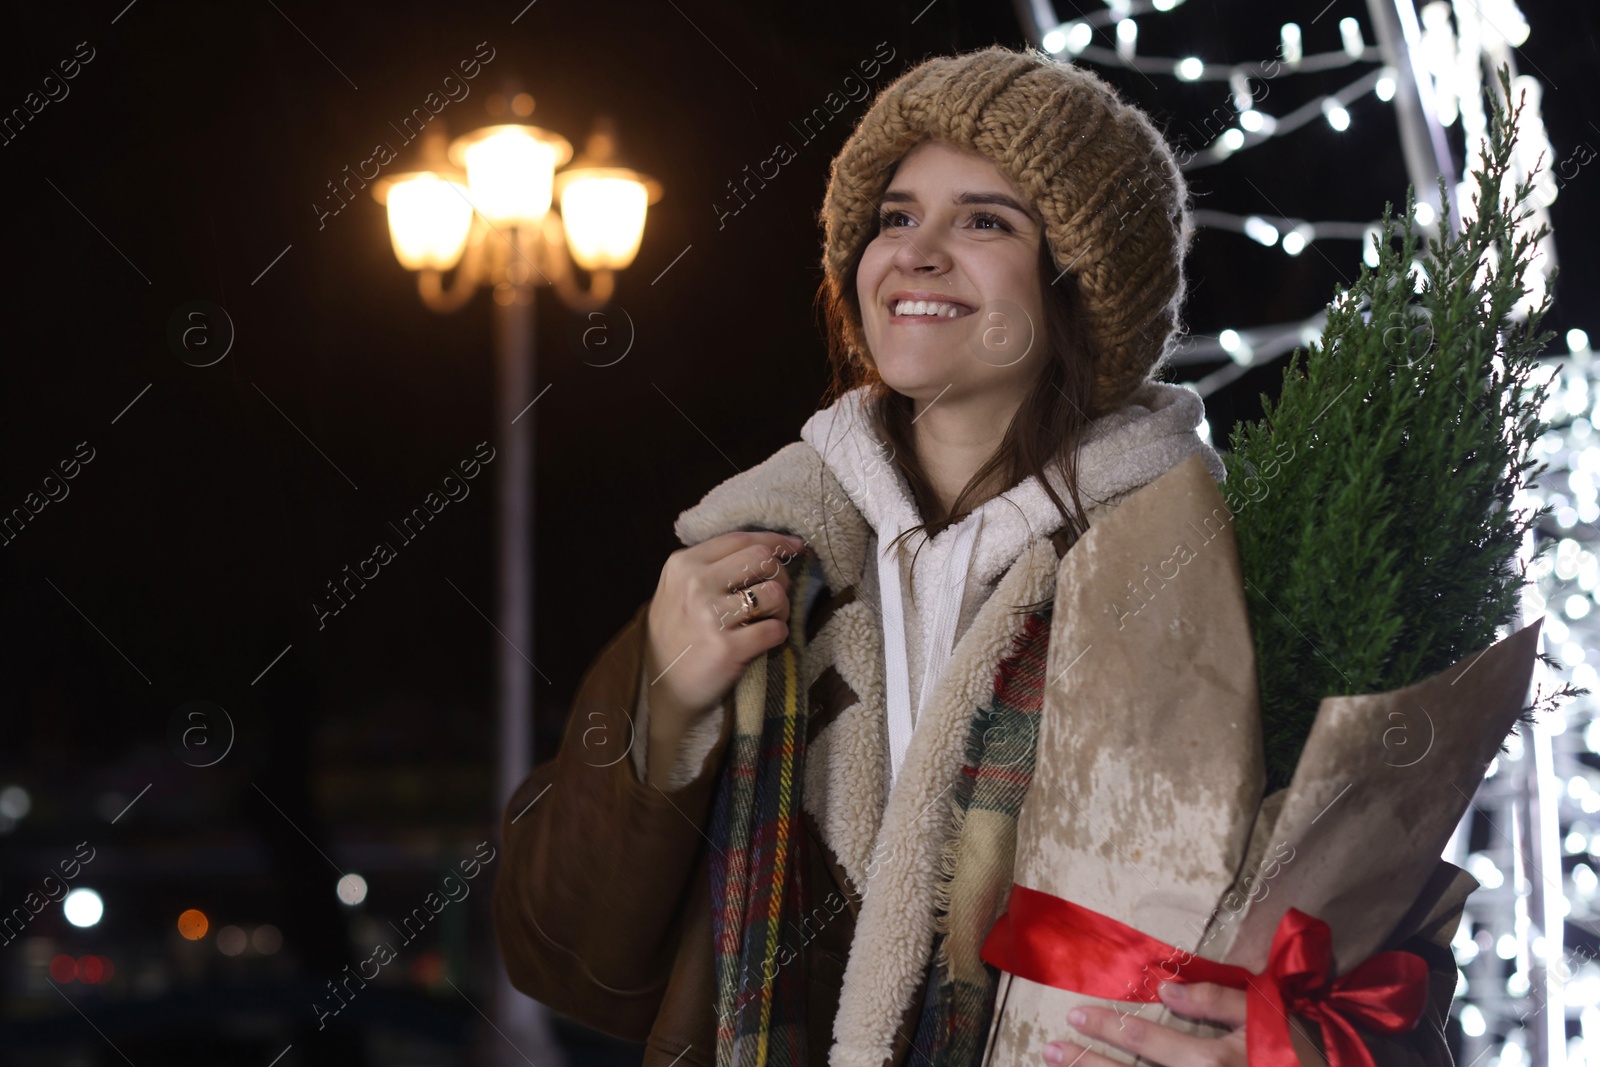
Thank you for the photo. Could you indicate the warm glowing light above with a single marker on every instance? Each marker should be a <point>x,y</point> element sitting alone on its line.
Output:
<point>510,170</point>
<point>193,924</point>
<point>602,211</point>
<point>429,220</point>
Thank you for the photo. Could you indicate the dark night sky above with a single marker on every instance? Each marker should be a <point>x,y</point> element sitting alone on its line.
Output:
<point>190,548</point>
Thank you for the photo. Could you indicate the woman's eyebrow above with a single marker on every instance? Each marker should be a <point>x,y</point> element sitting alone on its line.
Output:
<point>903,196</point>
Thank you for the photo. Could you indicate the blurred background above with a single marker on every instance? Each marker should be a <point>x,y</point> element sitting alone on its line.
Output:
<point>240,745</point>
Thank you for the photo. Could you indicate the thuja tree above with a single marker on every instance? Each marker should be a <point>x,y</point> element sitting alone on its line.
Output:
<point>1384,546</point>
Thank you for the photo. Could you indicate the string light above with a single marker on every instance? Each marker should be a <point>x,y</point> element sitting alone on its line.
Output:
<point>1289,37</point>
<point>1350,34</point>
<point>1127,38</point>
<point>1259,229</point>
<point>1270,126</point>
<point>1292,234</point>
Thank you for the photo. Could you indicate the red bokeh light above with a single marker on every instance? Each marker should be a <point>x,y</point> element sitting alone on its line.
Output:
<point>92,970</point>
<point>427,969</point>
<point>63,968</point>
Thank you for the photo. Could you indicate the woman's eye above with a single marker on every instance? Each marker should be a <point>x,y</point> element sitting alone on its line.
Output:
<point>886,219</point>
<point>984,216</point>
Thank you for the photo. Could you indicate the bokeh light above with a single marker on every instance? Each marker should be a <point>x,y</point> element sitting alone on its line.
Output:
<point>193,924</point>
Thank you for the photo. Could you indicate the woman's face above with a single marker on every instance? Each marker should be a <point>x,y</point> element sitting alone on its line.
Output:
<point>954,230</point>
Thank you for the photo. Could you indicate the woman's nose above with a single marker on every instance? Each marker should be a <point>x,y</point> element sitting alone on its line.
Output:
<point>923,254</point>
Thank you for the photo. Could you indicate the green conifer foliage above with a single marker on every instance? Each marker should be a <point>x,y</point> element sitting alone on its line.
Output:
<point>1383,546</point>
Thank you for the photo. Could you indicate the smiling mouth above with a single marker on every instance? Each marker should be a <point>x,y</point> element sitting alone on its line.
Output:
<point>910,311</point>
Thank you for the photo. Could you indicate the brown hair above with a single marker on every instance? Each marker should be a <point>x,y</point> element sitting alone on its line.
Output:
<point>1046,428</point>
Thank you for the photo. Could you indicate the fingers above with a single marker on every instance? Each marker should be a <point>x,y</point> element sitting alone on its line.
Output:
<point>1150,1040</point>
<point>712,550</point>
<point>1205,1000</point>
<point>771,602</point>
<point>745,643</point>
<point>764,560</point>
<point>1066,1054</point>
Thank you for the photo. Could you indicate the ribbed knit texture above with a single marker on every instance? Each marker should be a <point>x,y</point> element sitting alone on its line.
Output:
<point>1102,177</point>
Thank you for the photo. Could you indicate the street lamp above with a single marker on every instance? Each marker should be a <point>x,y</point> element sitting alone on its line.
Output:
<point>483,208</point>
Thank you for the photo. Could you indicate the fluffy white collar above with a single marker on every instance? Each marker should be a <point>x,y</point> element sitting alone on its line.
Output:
<point>955,570</point>
<point>1123,450</point>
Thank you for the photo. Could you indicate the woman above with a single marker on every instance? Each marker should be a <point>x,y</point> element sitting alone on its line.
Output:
<point>1004,245</point>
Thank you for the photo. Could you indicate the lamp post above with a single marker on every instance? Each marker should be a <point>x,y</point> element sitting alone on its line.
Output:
<point>484,209</point>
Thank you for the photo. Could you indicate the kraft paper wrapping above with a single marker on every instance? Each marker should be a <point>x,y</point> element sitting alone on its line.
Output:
<point>1146,803</point>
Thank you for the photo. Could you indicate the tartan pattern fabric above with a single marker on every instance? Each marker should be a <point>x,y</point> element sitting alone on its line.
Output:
<point>756,835</point>
<point>979,858</point>
<point>756,866</point>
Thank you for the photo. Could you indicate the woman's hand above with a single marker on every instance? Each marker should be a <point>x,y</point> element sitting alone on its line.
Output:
<point>1157,1043</point>
<point>702,633</point>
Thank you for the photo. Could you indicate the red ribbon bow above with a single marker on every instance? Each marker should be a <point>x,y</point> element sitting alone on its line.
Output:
<point>1055,942</point>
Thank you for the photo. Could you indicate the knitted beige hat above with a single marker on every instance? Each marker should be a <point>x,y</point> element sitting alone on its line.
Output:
<point>1102,177</point>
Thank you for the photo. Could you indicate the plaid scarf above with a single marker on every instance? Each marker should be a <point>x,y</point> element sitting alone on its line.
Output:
<point>757,888</point>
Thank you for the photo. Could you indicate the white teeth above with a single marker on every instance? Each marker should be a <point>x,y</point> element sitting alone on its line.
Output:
<point>927,307</point>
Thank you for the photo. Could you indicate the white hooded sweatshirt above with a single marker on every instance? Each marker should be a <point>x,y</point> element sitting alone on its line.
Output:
<point>956,571</point>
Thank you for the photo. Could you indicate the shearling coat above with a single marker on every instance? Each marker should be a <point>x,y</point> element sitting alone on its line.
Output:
<point>602,904</point>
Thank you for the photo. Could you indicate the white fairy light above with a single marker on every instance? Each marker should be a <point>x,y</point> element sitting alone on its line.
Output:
<point>1384,87</point>
<point>1577,341</point>
<point>1289,35</point>
<point>1127,37</point>
<point>1350,36</point>
<point>1369,245</point>
<point>1190,68</point>
<point>1260,230</point>
<point>1337,116</point>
